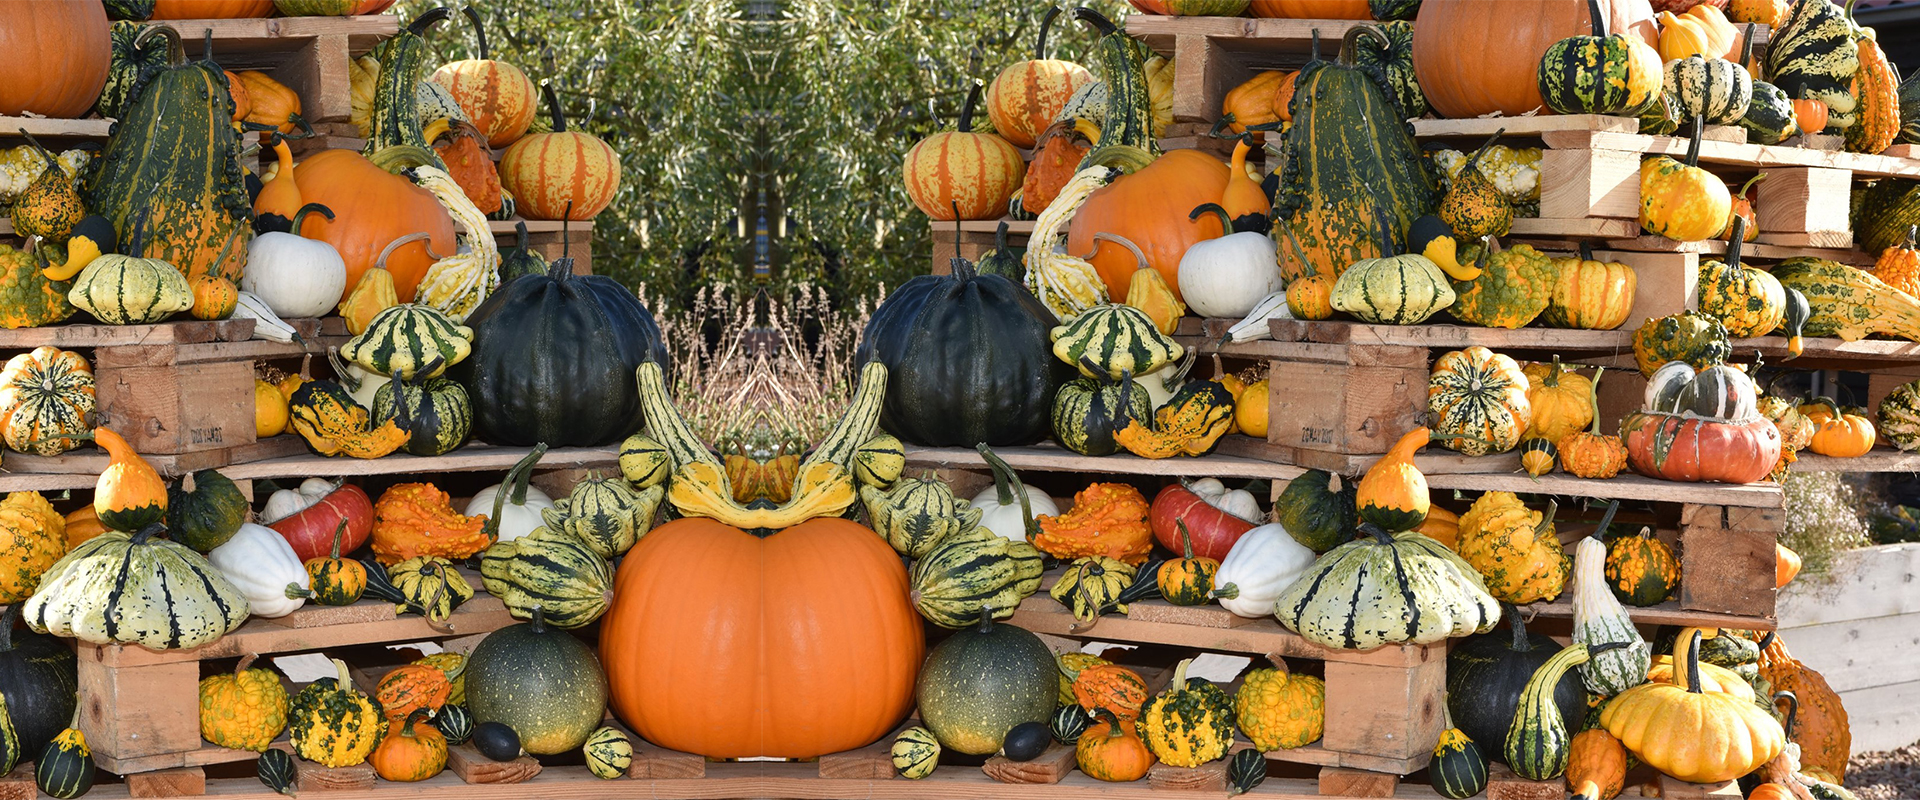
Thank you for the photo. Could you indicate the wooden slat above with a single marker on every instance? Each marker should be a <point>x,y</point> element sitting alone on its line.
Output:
<point>72,337</point>
<point>1861,653</point>
<point>1667,613</point>
<point>1209,777</point>
<point>1276,38</point>
<point>472,458</point>
<point>186,782</point>
<point>1050,768</point>
<point>1521,126</point>
<point>1337,782</point>
<point>1052,458</point>
<point>1878,582</point>
<point>44,128</point>
<point>1258,637</point>
<point>263,637</point>
<point>465,761</point>
<point>1455,337</point>
<point>1744,155</point>
<point>1502,784</point>
<point>1883,717</point>
<point>18,784</point>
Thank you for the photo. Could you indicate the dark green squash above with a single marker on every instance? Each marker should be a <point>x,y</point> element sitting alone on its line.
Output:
<point>521,260</point>
<point>979,683</point>
<point>204,509</point>
<point>1698,339</point>
<point>1004,259</point>
<point>1458,769</point>
<point>1086,412</point>
<point>65,766</point>
<point>1394,59</point>
<point>542,682</point>
<point>1769,118</point>
<point>1349,153</point>
<point>455,722</point>
<point>135,10</point>
<point>1069,721</point>
<point>276,769</point>
<point>38,677</point>
<point>1026,741</point>
<point>1319,509</point>
<point>395,121</point>
<point>1384,10</point>
<point>968,359</point>
<point>1884,211</point>
<point>126,64</point>
<point>1589,74</point>
<point>1120,61</point>
<point>1538,742</point>
<point>1909,94</point>
<point>1812,55</point>
<point>1661,117</point>
<point>175,154</point>
<point>497,741</point>
<point>1246,770</point>
<point>553,360</point>
<point>1488,672</point>
<point>440,415</point>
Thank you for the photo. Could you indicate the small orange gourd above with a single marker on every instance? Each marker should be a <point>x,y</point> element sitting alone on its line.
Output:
<point>1111,750</point>
<point>412,687</point>
<point>273,103</point>
<point>1810,115</point>
<point>1596,756</point>
<point>1112,687</point>
<point>411,751</point>
<point>1251,103</point>
<point>1899,265</point>
<point>1786,563</point>
<point>1836,433</point>
<point>1310,297</point>
<point>1107,519</point>
<point>417,519</point>
<point>1246,204</point>
<point>1442,526</point>
<point>1393,493</point>
<point>279,198</point>
<point>130,494</point>
<point>1590,453</point>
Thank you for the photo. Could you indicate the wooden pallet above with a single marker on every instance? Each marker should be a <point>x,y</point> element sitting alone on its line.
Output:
<point>974,240</point>
<point>308,54</point>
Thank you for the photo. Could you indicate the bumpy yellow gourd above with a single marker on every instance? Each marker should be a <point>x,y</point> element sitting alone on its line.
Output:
<point>243,710</point>
<point>1279,710</point>
<point>1514,548</point>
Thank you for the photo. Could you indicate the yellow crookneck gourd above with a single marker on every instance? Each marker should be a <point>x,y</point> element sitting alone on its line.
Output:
<point>1393,493</point>
<point>1190,424</point>
<point>1147,290</point>
<point>375,291</point>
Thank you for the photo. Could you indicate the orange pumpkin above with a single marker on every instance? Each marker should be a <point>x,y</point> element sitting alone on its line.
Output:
<point>728,645</point>
<point>211,9</point>
<point>1310,297</point>
<point>83,523</point>
<point>1252,103</point>
<point>1475,57</point>
<point>1054,162</point>
<point>57,57</point>
<point>1112,687</point>
<point>497,97</point>
<point>411,687</point>
<point>373,207</point>
<point>1149,208</point>
<point>1025,97</point>
<point>1810,115</point>
<point>560,175</point>
<point>963,172</point>
<point>214,297</point>
<point>1311,9</point>
<point>270,102</point>
<point>1786,563</point>
<point>242,101</point>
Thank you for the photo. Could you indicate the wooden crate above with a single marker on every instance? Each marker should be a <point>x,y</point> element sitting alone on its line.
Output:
<point>974,239</point>
<point>1212,55</point>
<point>308,54</point>
<point>551,240</point>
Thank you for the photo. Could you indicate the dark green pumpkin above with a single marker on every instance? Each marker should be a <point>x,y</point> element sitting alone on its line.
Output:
<point>1246,770</point>
<point>1884,211</point>
<point>1812,55</point>
<point>1487,672</point>
<point>277,770</point>
<point>204,510</point>
<point>1086,412</point>
<point>1004,259</point>
<point>968,359</point>
<point>135,10</point>
<point>1698,339</point>
<point>497,741</point>
<point>441,415</point>
<point>1661,117</point>
<point>521,260</point>
<point>1394,59</point>
<point>1069,721</point>
<point>1458,769</point>
<point>540,681</point>
<point>979,683</point>
<point>553,360</point>
<point>125,65</point>
<point>1909,94</point>
<point>455,722</point>
<point>1588,74</point>
<point>1384,10</point>
<point>65,767</point>
<point>38,677</point>
<point>1769,118</point>
<point>1318,509</point>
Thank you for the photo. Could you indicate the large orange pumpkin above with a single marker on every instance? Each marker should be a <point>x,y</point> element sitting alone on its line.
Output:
<point>978,172</point>
<point>57,55</point>
<point>498,98</point>
<point>1025,97</point>
<point>1311,9</point>
<point>211,9</point>
<point>372,208</point>
<point>1475,57</point>
<point>560,175</point>
<point>795,645</point>
<point>1150,208</point>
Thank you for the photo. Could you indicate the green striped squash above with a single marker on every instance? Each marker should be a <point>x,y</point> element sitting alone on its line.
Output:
<point>117,588</point>
<point>1086,412</point>
<point>1899,418</point>
<point>1395,290</point>
<point>65,767</point>
<point>665,426</point>
<point>129,290</point>
<point>1812,56</point>
<point>1715,87</point>
<point>1394,58</point>
<point>644,462</point>
<point>915,753</point>
<point>1458,769</point>
<point>857,423</point>
<point>46,393</point>
<point>1477,401</point>
<point>1319,509</point>
<point>1884,212</point>
<point>1393,9</point>
<point>1538,744</point>
<point>125,65</point>
<point>9,737</point>
<point>278,772</point>
<point>552,571</point>
<point>1112,341</point>
<point>455,722</point>
<point>1120,60</point>
<point>879,462</point>
<point>917,514</point>
<point>954,582</point>
<point>1598,618</point>
<point>1387,589</point>
<point>1246,770</point>
<point>1661,117</point>
<point>436,412</point>
<point>605,514</point>
<point>1588,74</point>
<point>1769,117</point>
<point>1069,721</point>
<point>609,753</point>
<point>409,340</point>
<point>396,93</point>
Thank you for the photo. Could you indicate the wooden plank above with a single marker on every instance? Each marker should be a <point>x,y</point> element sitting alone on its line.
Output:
<point>1502,784</point>
<point>1861,653</point>
<point>873,762</point>
<point>657,763</point>
<point>1347,409</point>
<point>1883,717</point>
<point>1667,613</point>
<point>477,457</point>
<point>1206,616</point>
<point>1388,711</point>
<point>314,777</point>
<point>139,711</point>
<point>1257,638</point>
<point>1053,458</point>
<point>1455,337</point>
<point>1484,127</point>
<point>1583,228</point>
<point>1804,200</point>
<point>1582,184</point>
<point>1878,582</point>
<point>73,337</point>
<point>1052,766</point>
<point>47,128</point>
<point>465,761</point>
<point>1663,283</point>
<point>1338,782</point>
<point>262,637</point>
<point>1208,777</point>
<point>19,784</point>
<point>1736,154</point>
<point>1729,572</point>
<point>1672,788</point>
<point>186,782</point>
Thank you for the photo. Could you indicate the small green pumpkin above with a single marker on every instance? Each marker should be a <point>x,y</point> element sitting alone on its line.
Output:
<point>1641,570</point>
<point>915,753</point>
<point>1113,340</point>
<point>1318,509</point>
<point>1715,88</point>
<point>609,753</point>
<point>277,770</point>
<point>1595,74</point>
<point>455,722</point>
<point>440,415</point>
<point>1392,55</point>
<point>1769,118</point>
<point>126,64</point>
<point>1069,721</point>
<point>1246,771</point>
<point>406,340</point>
<point>204,510</point>
<point>917,514</point>
<point>65,767</point>
<point>1458,769</point>
<point>1087,412</point>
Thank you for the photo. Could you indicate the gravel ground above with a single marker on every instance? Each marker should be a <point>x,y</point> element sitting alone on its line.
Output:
<point>1893,775</point>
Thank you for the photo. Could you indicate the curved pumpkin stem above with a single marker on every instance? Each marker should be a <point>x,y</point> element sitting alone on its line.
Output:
<point>1606,519</point>
<point>1693,142</point>
<point>516,484</point>
<point>1353,37</point>
<point>1793,710</point>
<point>380,261</point>
<point>1598,19</point>
<point>1593,397</point>
<point>1186,539</point>
<point>1746,47</point>
<point>479,31</point>
<point>52,163</point>
<point>1095,20</point>
<point>1046,26</point>
<point>428,19</point>
<point>153,529</point>
<point>176,50</point>
<point>1007,486</point>
<point>1139,258</point>
<point>311,208</point>
<point>1226,222</point>
<point>1686,650</point>
<point>559,116</point>
<point>1734,240</point>
<point>1473,161</point>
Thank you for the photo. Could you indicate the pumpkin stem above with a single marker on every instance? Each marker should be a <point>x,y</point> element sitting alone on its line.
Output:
<point>52,163</point>
<point>1693,142</point>
<point>1139,258</point>
<point>1749,184</point>
<point>1553,372</point>
<point>1734,239</point>
<point>1353,37</point>
<point>1586,251</point>
<point>1046,25</point>
<point>539,621</point>
<point>1518,625</point>
<point>149,532</point>
<point>309,208</point>
<point>986,619</point>
<point>1113,722</point>
<point>1746,46</point>
<point>1687,651</point>
<point>1473,161</point>
<point>1598,19</point>
<point>516,484</point>
<point>1095,20</point>
<point>245,662</point>
<point>966,111</point>
<point>1186,539</point>
<point>427,20</point>
<point>176,52</point>
<point>339,531</point>
<point>380,262</point>
<point>1378,533</point>
<point>1793,709</point>
<point>479,31</point>
<point>1180,675</point>
<point>1314,54</point>
<point>1912,231</point>
<point>8,619</point>
<point>1593,398</point>
<point>1007,485</point>
<point>1546,520</point>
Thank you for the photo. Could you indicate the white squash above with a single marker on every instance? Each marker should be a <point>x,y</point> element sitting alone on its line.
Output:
<point>1238,502</point>
<point>1598,618</point>
<point>359,381</point>
<point>1228,276</point>
<point>263,565</point>
<point>1259,568</point>
<point>999,504</point>
<point>512,506</point>
<point>288,502</point>
<point>296,276</point>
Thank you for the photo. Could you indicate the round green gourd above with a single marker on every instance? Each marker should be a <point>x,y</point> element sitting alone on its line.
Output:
<point>548,574</point>
<point>1394,58</point>
<point>455,722</point>
<point>609,753</point>
<point>1086,410</point>
<point>1698,339</point>
<point>407,340</point>
<point>1069,721</point>
<point>544,684</point>
<point>65,766</point>
<point>979,683</point>
<point>1769,118</point>
<point>1714,87</point>
<point>1113,340</point>
<point>204,510</point>
<point>1588,74</point>
<point>964,576</point>
<point>915,753</point>
<point>440,415</point>
<point>1318,509</point>
<point>277,770</point>
<point>1458,769</point>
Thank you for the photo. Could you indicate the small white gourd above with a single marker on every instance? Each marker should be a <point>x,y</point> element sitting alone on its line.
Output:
<point>264,567</point>
<point>296,276</point>
<point>512,506</point>
<point>1238,502</point>
<point>1228,276</point>
<point>1598,618</point>
<point>1262,565</point>
<point>288,502</point>
<point>1000,508</point>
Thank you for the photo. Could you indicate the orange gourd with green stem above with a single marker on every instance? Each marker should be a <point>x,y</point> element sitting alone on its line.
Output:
<point>1899,265</point>
<point>1112,687</point>
<point>1877,90</point>
<point>1836,433</point>
<point>411,751</point>
<point>412,687</point>
<point>1187,580</point>
<point>1743,209</point>
<point>214,294</point>
<point>1590,453</point>
<point>1111,750</point>
<point>130,494</point>
<point>1681,201</point>
<point>1393,494</point>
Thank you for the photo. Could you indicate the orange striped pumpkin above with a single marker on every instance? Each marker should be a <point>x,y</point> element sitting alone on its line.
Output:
<point>977,172</point>
<point>1023,100</point>
<point>497,97</point>
<point>550,173</point>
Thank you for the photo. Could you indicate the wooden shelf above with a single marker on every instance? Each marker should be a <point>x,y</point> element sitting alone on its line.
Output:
<point>1255,637</point>
<point>69,337</point>
<point>58,129</point>
<point>1053,458</point>
<point>1454,337</point>
<point>316,627</point>
<point>1287,40</point>
<point>1667,613</point>
<point>1015,227</point>
<point>237,36</point>
<point>477,457</point>
<point>500,226</point>
<point>1881,459</point>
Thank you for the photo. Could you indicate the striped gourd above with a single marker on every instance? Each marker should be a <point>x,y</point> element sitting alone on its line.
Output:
<point>1884,211</point>
<point>665,426</point>
<point>1120,61</point>
<point>409,340</point>
<point>117,588</point>
<point>915,753</point>
<point>1384,589</point>
<point>1538,744</point>
<point>1877,94</point>
<point>45,394</point>
<point>1910,108</point>
<point>1478,399</point>
<point>130,290</point>
<point>879,461</point>
<point>495,95</point>
<point>1600,73</point>
<point>960,171</point>
<point>567,174</point>
<point>396,92</point>
<point>1714,87</point>
<point>1899,417</point>
<point>126,64</point>
<point>609,753</point>
<point>9,737</point>
<point>1459,769</point>
<point>551,571</point>
<point>1393,289</point>
<point>954,582</point>
<point>1114,340</point>
<point>175,156</point>
<point>64,768</point>
<point>1394,58</point>
<point>1589,294</point>
<point>917,514</point>
<point>1598,618</point>
<point>1769,118</point>
<point>605,513</point>
<point>857,421</point>
<point>437,414</point>
<point>427,585</point>
<point>1848,302</point>
<point>1812,55</point>
<point>644,462</point>
<point>1086,412</point>
<point>1749,302</point>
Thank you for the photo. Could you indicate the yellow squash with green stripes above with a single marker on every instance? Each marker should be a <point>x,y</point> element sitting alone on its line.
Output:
<point>410,340</point>
<point>553,571</point>
<point>1113,340</point>
<point>917,514</point>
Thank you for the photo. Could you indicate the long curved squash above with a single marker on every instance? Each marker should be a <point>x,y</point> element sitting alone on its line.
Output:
<point>1848,302</point>
<point>396,120</point>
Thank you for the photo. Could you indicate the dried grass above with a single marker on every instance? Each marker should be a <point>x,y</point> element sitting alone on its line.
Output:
<point>1823,521</point>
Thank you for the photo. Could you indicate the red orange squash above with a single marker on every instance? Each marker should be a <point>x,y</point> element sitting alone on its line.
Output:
<point>964,172</point>
<point>373,207</point>
<point>1150,208</point>
<point>1475,57</point>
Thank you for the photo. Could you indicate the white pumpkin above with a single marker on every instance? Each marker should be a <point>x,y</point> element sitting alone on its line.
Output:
<point>1238,502</point>
<point>263,565</point>
<point>359,381</point>
<point>517,513</point>
<point>1262,565</point>
<point>288,502</point>
<point>1228,276</point>
<point>1162,383</point>
<point>296,276</point>
<point>999,504</point>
